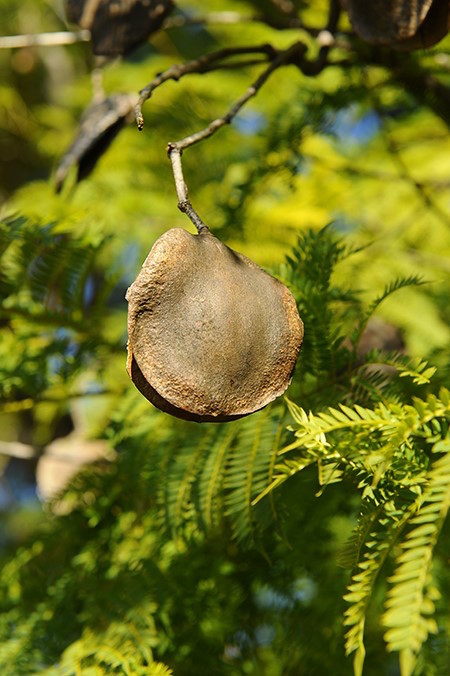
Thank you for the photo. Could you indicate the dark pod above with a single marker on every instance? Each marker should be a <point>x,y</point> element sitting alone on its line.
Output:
<point>401,24</point>
<point>99,126</point>
<point>211,336</point>
<point>117,26</point>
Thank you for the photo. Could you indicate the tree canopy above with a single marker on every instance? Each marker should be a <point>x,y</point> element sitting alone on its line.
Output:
<point>310,537</point>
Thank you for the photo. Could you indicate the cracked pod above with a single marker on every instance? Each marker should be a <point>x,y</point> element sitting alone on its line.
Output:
<point>211,336</point>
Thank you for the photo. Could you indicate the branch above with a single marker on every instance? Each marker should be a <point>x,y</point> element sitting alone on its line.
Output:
<point>44,39</point>
<point>230,18</point>
<point>226,18</point>
<point>326,40</point>
<point>16,449</point>
<point>203,64</point>
<point>175,149</point>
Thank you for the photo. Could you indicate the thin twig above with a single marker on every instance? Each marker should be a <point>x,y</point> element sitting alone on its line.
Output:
<point>98,92</point>
<point>226,18</point>
<point>229,18</point>
<point>326,40</point>
<point>44,39</point>
<point>184,203</point>
<point>16,449</point>
<point>175,149</point>
<point>204,64</point>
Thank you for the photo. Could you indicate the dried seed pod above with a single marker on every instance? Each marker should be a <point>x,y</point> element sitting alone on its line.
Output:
<point>117,26</point>
<point>211,336</point>
<point>401,24</point>
<point>101,123</point>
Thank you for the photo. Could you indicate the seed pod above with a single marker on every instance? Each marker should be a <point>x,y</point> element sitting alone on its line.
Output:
<point>211,336</point>
<point>118,26</point>
<point>401,24</point>
<point>101,123</point>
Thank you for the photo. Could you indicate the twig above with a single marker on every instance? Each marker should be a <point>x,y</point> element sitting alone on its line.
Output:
<point>204,64</point>
<point>44,39</point>
<point>175,149</point>
<point>230,18</point>
<point>98,92</point>
<point>16,449</point>
<point>326,40</point>
<point>226,18</point>
<point>184,203</point>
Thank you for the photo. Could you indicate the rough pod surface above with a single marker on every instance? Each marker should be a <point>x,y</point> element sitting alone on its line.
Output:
<point>211,336</point>
<point>401,24</point>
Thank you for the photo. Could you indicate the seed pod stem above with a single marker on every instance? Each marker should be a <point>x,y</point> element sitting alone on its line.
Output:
<point>174,149</point>
<point>184,203</point>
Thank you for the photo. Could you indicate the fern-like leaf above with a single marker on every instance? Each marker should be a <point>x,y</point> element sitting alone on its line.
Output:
<point>250,467</point>
<point>410,601</point>
<point>377,534</point>
<point>392,287</point>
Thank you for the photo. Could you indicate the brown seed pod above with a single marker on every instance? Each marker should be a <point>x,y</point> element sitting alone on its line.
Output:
<point>211,336</point>
<point>118,26</point>
<point>401,24</point>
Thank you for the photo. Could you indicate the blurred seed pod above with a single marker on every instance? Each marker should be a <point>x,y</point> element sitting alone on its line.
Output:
<point>380,335</point>
<point>402,24</point>
<point>117,26</point>
<point>99,126</point>
<point>211,336</point>
<point>62,460</point>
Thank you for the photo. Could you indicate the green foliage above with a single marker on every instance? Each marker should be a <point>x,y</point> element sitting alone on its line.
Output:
<point>398,458</point>
<point>222,478</point>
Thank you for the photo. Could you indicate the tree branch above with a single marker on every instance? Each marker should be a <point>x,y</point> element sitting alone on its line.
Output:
<point>203,64</point>
<point>230,18</point>
<point>175,149</point>
<point>44,39</point>
<point>16,449</point>
<point>225,18</point>
<point>326,40</point>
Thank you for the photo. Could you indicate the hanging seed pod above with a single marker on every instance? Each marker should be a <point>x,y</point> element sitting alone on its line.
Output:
<point>102,121</point>
<point>401,24</point>
<point>211,336</point>
<point>118,26</point>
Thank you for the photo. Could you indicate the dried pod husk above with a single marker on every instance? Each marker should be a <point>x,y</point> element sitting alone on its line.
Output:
<point>102,121</point>
<point>117,26</point>
<point>211,336</point>
<point>401,24</point>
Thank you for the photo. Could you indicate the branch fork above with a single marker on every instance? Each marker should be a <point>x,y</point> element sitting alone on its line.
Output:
<point>295,55</point>
<point>175,148</point>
